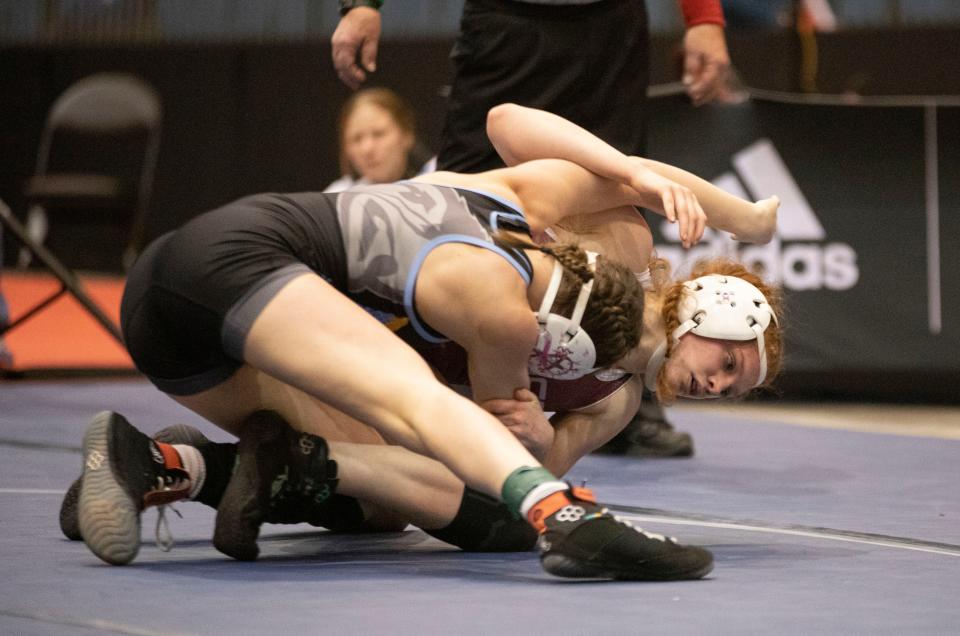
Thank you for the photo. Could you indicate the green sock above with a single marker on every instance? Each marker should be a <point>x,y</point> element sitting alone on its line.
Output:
<point>520,482</point>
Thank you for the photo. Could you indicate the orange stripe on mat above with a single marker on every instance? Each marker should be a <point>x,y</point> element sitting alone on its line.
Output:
<point>63,335</point>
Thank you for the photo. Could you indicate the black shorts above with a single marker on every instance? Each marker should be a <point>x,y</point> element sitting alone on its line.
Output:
<point>194,293</point>
<point>588,63</point>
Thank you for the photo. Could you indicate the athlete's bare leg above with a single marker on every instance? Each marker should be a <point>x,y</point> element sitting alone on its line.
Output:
<point>314,339</point>
<point>395,486</point>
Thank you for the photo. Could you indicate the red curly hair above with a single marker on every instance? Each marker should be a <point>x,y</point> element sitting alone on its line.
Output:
<point>672,294</point>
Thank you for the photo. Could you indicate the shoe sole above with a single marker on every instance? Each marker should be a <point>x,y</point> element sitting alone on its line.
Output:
<point>69,523</point>
<point>568,567</point>
<point>239,514</point>
<point>109,521</point>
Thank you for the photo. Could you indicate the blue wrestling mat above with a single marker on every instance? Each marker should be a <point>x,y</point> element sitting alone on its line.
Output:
<point>814,530</point>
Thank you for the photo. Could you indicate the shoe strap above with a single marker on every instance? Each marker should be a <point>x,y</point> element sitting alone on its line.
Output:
<point>538,513</point>
<point>583,494</point>
<point>178,490</point>
<point>171,458</point>
<point>549,505</point>
<point>174,484</point>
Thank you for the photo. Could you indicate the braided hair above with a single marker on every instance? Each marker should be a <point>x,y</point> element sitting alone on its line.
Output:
<point>614,312</point>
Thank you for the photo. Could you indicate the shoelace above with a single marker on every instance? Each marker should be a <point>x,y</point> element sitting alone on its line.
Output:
<point>163,537</point>
<point>650,535</point>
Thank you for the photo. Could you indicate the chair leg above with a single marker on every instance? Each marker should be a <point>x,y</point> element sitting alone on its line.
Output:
<point>66,277</point>
<point>135,241</point>
<point>36,227</point>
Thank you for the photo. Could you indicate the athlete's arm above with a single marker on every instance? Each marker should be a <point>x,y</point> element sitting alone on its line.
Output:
<point>550,190</point>
<point>523,134</point>
<point>577,433</point>
<point>476,298</point>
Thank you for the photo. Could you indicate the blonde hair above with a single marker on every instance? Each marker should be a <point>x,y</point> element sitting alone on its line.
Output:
<point>672,294</point>
<point>396,106</point>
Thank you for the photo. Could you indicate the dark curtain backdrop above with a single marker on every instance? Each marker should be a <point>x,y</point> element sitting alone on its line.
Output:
<point>240,119</point>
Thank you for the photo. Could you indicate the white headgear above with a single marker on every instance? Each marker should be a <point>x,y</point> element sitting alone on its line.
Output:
<point>720,307</point>
<point>564,350</point>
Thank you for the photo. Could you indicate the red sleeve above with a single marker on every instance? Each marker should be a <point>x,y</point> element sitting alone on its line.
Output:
<point>701,12</point>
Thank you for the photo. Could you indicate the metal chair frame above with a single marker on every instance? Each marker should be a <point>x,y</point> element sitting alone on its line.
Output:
<point>106,103</point>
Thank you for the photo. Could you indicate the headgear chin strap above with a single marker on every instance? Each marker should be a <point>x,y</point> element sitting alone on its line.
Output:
<point>654,365</point>
<point>719,307</point>
<point>564,350</point>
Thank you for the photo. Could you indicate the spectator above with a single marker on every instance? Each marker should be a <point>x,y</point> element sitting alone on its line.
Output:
<point>378,141</point>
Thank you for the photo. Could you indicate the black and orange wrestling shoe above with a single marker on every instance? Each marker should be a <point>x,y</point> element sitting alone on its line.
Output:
<point>124,472</point>
<point>69,521</point>
<point>581,539</point>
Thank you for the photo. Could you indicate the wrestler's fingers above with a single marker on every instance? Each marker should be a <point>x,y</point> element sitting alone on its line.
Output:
<point>502,406</point>
<point>669,209</point>
<point>701,219</point>
<point>524,395</point>
<point>683,214</point>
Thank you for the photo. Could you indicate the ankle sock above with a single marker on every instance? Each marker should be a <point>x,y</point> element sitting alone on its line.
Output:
<point>526,485</point>
<point>541,493</point>
<point>194,465</point>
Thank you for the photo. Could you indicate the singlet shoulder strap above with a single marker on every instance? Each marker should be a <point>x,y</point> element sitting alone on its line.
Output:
<point>519,257</point>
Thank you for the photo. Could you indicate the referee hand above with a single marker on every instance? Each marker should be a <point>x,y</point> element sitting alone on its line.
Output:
<point>357,36</point>
<point>706,62</point>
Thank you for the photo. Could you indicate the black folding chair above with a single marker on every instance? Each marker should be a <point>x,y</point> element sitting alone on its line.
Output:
<point>68,280</point>
<point>98,153</point>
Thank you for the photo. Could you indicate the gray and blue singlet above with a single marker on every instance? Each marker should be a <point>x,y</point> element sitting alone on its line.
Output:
<point>195,292</point>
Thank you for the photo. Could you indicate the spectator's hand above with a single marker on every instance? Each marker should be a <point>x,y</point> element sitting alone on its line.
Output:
<point>525,419</point>
<point>358,33</point>
<point>677,202</point>
<point>706,62</point>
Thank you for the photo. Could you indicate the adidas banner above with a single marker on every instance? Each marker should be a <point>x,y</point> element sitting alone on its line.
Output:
<point>866,247</point>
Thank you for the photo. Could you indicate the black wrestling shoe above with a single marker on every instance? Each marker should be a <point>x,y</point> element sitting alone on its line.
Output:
<point>124,471</point>
<point>649,434</point>
<point>70,524</point>
<point>581,539</point>
<point>278,470</point>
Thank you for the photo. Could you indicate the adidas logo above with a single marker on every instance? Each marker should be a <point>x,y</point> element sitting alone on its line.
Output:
<point>800,256</point>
